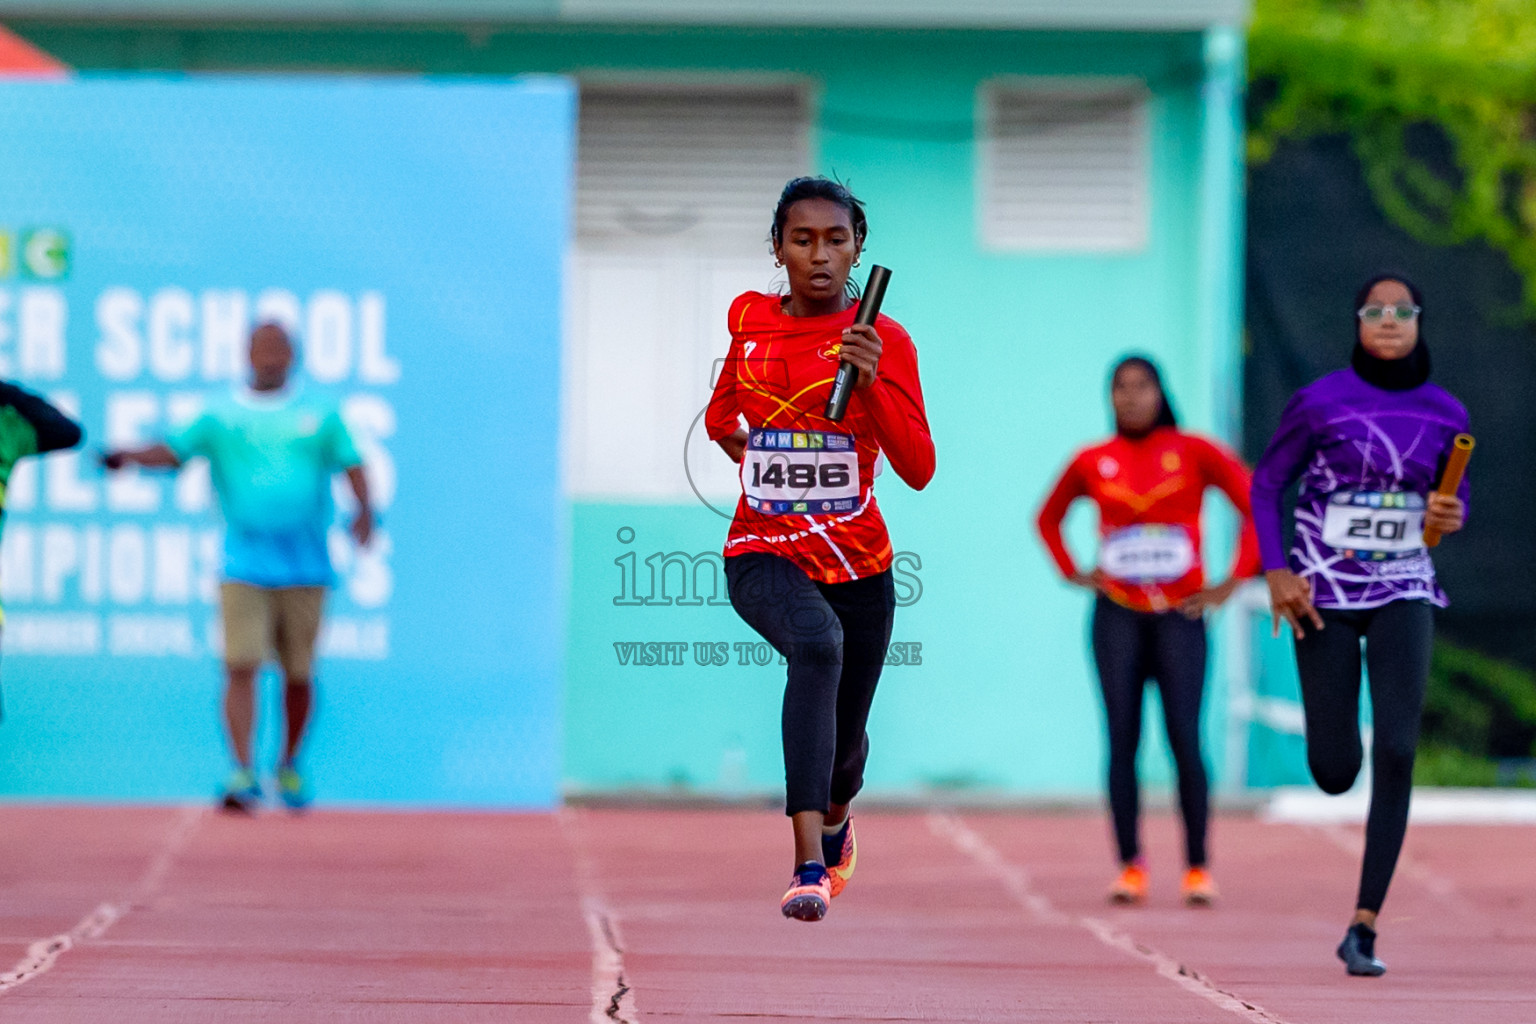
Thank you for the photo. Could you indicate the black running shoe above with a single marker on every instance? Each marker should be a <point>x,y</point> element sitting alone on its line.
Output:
<point>1358,951</point>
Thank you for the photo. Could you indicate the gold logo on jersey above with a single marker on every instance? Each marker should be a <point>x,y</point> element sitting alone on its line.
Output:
<point>1170,462</point>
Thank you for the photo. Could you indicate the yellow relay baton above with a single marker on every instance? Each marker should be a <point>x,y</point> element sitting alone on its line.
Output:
<point>1455,467</point>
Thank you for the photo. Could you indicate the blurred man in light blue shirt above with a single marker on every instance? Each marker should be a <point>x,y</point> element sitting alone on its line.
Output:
<point>272,451</point>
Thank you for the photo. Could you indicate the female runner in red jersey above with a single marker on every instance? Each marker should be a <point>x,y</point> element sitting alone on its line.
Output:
<point>808,559</point>
<point>1148,481</point>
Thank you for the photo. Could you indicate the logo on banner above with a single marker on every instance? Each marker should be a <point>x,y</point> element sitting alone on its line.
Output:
<point>42,254</point>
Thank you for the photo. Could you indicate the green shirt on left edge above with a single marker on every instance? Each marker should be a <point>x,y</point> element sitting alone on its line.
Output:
<point>18,439</point>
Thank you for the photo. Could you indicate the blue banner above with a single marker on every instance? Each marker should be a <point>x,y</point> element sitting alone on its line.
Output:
<point>410,234</point>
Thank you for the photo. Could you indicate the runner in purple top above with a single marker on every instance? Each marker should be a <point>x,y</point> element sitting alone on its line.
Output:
<point>1367,444</point>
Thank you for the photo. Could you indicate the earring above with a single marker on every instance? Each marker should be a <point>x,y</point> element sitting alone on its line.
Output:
<point>778,263</point>
<point>855,261</point>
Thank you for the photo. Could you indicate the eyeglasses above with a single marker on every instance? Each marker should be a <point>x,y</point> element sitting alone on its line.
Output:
<point>1375,314</point>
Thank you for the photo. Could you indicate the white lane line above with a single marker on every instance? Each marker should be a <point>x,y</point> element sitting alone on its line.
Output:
<point>1440,887</point>
<point>613,1001</point>
<point>1016,880</point>
<point>44,953</point>
<point>613,998</point>
<point>1432,805</point>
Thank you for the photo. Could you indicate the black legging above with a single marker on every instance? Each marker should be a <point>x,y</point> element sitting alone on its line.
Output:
<point>1398,637</point>
<point>835,636</point>
<point>1130,647</point>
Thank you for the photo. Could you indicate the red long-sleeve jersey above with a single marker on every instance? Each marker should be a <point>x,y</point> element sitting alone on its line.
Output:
<point>801,498</point>
<point>1149,491</point>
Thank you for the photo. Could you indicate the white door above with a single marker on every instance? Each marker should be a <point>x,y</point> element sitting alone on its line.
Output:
<point>675,194</point>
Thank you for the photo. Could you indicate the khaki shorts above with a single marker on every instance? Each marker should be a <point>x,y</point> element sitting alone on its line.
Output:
<point>263,622</point>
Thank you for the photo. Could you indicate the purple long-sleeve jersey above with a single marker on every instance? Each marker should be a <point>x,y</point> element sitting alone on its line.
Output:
<point>1366,457</point>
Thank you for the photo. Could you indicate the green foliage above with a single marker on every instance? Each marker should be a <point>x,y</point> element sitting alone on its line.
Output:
<point>1437,765</point>
<point>1478,709</point>
<point>1375,70</point>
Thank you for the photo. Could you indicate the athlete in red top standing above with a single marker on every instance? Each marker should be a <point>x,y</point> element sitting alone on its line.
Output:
<point>1148,482</point>
<point>808,558</point>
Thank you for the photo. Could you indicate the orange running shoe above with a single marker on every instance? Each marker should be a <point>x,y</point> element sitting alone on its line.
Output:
<point>809,893</point>
<point>1131,886</point>
<point>840,872</point>
<point>1199,888</point>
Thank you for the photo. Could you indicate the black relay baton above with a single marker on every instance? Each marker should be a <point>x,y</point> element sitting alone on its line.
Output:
<point>847,373</point>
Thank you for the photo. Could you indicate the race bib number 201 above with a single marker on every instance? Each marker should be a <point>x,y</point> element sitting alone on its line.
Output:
<point>804,472</point>
<point>1375,524</point>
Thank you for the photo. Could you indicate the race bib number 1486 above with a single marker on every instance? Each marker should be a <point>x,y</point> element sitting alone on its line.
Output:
<point>804,472</point>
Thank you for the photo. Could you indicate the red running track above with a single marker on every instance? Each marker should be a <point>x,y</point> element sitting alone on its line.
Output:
<point>171,915</point>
